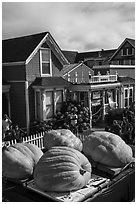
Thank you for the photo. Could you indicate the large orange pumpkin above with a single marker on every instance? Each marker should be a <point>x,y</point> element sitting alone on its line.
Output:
<point>62,169</point>
<point>62,137</point>
<point>107,148</point>
<point>19,160</point>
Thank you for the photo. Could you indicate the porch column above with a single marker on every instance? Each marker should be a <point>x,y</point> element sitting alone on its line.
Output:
<point>103,102</point>
<point>27,105</point>
<point>116,98</point>
<point>43,99</point>
<point>90,107</point>
<point>54,102</point>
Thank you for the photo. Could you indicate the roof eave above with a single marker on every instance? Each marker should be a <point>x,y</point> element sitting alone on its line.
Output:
<point>57,51</point>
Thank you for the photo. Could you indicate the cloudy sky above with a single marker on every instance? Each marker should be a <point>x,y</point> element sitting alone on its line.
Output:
<point>81,26</point>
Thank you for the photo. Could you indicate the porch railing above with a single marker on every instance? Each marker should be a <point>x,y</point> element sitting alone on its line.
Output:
<point>93,79</point>
<point>103,78</point>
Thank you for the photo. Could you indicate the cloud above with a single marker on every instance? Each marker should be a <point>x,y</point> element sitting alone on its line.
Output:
<point>74,25</point>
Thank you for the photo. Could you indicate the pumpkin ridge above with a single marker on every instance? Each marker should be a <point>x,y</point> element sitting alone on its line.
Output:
<point>62,171</point>
<point>21,149</point>
<point>59,160</point>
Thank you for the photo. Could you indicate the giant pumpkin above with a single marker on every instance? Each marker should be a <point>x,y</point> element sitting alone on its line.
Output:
<point>61,137</point>
<point>19,160</point>
<point>107,148</point>
<point>62,169</point>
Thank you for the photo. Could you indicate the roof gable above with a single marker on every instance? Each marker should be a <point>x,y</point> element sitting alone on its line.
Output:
<point>130,41</point>
<point>22,49</point>
<point>71,67</point>
<point>102,54</point>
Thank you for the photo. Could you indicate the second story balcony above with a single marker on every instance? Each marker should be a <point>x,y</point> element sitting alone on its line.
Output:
<point>103,78</point>
<point>92,79</point>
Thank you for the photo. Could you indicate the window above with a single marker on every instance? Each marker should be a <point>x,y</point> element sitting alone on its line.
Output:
<point>128,96</point>
<point>127,51</point>
<point>59,99</point>
<point>49,104</point>
<point>45,56</point>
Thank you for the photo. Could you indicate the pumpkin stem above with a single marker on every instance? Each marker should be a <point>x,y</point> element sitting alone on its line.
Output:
<point>82,171</point>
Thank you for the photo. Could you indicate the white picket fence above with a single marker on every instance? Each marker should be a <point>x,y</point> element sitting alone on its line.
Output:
<point>36,139</point>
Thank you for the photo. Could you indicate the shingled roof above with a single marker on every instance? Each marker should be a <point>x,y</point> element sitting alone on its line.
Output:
<point>18,49</point>
<point>50,81</point>
<point>131,41</point>
<point>126,79</point>
<point>70,55</point>
<point>106,54</point>
<point>70,67</point>
<point>22,49</point>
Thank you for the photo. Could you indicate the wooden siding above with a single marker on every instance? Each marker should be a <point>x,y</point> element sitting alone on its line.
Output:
<point>82,72</point>
<point>16,72</point>
<point>18,104</point>
<point>33,68</point>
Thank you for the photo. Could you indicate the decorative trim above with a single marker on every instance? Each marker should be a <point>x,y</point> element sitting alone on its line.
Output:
<point>36,49</point>
<point>50,61</point>
<point>57,48</point>
<point>27,105</point>
<point>40,44</point>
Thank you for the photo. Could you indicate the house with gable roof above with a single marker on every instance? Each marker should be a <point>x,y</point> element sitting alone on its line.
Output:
<point>114,72</point>
<point>36,74</point>
<point>31,68</point>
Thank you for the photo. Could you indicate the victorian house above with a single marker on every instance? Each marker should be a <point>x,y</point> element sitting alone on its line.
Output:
<point>37,76</point>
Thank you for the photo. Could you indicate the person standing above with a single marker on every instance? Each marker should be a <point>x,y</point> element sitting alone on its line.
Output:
<point>6,122</point>
<point>18,134</point>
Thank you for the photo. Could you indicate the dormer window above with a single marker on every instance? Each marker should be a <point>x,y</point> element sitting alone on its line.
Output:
<point>45,62</point>
<point>127,51</point>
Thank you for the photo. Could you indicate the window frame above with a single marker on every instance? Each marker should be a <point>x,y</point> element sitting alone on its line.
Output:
<point>59,103</point>
<point>41,62</point>
<point>126,50</point>
<point>128,95</point>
